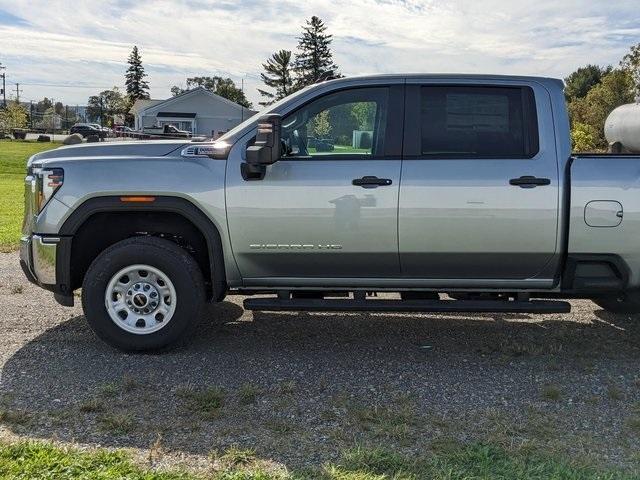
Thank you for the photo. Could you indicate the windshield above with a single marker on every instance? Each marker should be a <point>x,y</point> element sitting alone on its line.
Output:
<point>231,134</point>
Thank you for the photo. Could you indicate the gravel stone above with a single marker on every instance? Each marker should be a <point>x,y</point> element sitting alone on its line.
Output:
<point>323,382</point>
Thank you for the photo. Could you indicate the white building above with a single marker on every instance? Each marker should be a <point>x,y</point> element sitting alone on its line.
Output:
<point>198,111</point>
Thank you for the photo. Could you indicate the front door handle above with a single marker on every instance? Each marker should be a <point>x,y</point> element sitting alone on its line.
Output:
<point>371,182</point>
<point>529,181</point>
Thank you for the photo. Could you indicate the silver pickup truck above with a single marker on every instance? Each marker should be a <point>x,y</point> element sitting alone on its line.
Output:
<point>444,192</point>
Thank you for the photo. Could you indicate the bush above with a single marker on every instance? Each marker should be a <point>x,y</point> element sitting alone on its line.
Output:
<point>583,138</point>
<point>343,140</point>
<point>19,134</point>
<point>44,138</point>
<point>365,140</point>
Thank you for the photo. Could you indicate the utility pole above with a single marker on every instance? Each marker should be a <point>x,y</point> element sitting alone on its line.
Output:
<point>4,86</point>
<point>18,91</point>
<point>242,107</point>
<point>53,119</point>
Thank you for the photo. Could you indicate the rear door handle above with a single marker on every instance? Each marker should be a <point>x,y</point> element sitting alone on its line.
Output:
<point>529,181</point>
<point>371,182</point>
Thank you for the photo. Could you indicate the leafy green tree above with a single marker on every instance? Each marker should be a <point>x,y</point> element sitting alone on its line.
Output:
<point>321,124</point>
<point>225,87</point>
<point>107,104</point>
<point>615,89</point>
<point>364,113</point>
<point>136,86</point>
<point>43,105</point>
<point>578,84</point>
<point>631,63</point>
<point>277,75</point>
<point>583,138</point>
<point>13,116</point>
<point>314,58</point>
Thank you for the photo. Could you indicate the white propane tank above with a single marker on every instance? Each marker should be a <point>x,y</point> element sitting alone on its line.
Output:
<point>623,125</point>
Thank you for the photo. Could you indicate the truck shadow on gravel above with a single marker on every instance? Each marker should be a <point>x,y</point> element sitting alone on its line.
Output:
<point>291,385</point>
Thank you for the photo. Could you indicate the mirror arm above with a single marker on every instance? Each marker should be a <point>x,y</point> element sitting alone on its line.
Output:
<point>252,171</point>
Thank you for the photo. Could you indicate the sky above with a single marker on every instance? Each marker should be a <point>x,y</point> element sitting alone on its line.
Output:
<point>70,50</point>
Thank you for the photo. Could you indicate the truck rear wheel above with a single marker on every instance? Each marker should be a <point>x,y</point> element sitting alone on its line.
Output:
<point>628,302</point>
<point>143,293</point>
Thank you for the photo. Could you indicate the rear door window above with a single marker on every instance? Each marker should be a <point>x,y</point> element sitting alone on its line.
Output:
<point>478,122</point>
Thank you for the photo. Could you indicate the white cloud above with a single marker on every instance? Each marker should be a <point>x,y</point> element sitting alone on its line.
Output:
<point>85,43</point>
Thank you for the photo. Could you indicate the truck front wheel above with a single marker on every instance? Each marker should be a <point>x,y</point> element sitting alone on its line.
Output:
<point>143,293</point>
<point>628,302</point>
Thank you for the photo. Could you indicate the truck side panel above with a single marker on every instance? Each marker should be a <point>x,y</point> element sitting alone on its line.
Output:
<point>605,209</point>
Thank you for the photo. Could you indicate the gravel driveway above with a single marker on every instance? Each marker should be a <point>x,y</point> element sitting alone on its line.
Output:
<point>299,387</point>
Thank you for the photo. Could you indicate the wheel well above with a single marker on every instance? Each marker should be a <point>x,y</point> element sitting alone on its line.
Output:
<point>104,229</point>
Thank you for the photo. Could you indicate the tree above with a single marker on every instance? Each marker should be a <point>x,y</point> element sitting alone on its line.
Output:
<point>631,63</point>
<point>225,87</point>
<point>43,105</point>
<point>578,84</point>
<point>614,90</point>
<point>583,138</point>
<point>314,58</point>
<point>106,104</point>
<point>277,75</point>
<point>321,124</point>
<point>13,116</point>
<point>364,113</point>
<point>136,86</point>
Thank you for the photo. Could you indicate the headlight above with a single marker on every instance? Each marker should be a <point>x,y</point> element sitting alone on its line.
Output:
<point>44,184</point>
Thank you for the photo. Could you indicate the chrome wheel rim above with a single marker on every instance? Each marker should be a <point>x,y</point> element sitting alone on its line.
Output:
<point>140,299</point>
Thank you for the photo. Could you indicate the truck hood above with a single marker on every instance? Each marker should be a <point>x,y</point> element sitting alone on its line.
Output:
<point>156,148</point>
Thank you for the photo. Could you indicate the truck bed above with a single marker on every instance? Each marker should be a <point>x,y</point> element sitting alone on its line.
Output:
<point>604,208</point>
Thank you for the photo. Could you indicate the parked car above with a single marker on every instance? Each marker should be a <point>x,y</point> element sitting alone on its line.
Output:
<point>122,131</point>
<point>87,130</point>
<point>99,127</point>
<point>468,189</point>
<point>166,130</point>
<point>122,128</point>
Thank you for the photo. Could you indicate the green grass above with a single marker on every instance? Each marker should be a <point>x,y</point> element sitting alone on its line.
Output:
<point>207,402</point>
<point>13,160</point>
<point>35,461</point>
<point>38,460</point>
<point>341,150</point>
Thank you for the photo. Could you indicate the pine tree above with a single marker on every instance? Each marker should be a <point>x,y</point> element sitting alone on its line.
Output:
<point>314,58</point>
<point>137,86</point>
<point>277,75</point>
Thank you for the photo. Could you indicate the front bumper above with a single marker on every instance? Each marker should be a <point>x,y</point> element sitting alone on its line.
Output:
<point>39,256</point>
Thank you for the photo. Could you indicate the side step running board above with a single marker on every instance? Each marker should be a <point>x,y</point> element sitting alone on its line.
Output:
<point>340,305</point>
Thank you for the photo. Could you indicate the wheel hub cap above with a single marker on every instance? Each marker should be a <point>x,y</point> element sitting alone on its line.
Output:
<point>140,299</point>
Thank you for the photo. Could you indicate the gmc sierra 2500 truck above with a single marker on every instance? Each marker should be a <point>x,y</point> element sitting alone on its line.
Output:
<point>454,192</point>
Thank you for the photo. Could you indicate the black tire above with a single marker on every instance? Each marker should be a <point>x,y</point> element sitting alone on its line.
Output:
<point>620,303</point>
<point>174,262</point>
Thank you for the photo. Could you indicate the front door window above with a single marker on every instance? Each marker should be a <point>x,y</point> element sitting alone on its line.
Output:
<point>350,123</point>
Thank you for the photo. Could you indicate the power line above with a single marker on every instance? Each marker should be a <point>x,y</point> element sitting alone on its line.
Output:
<point>66,85</point>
